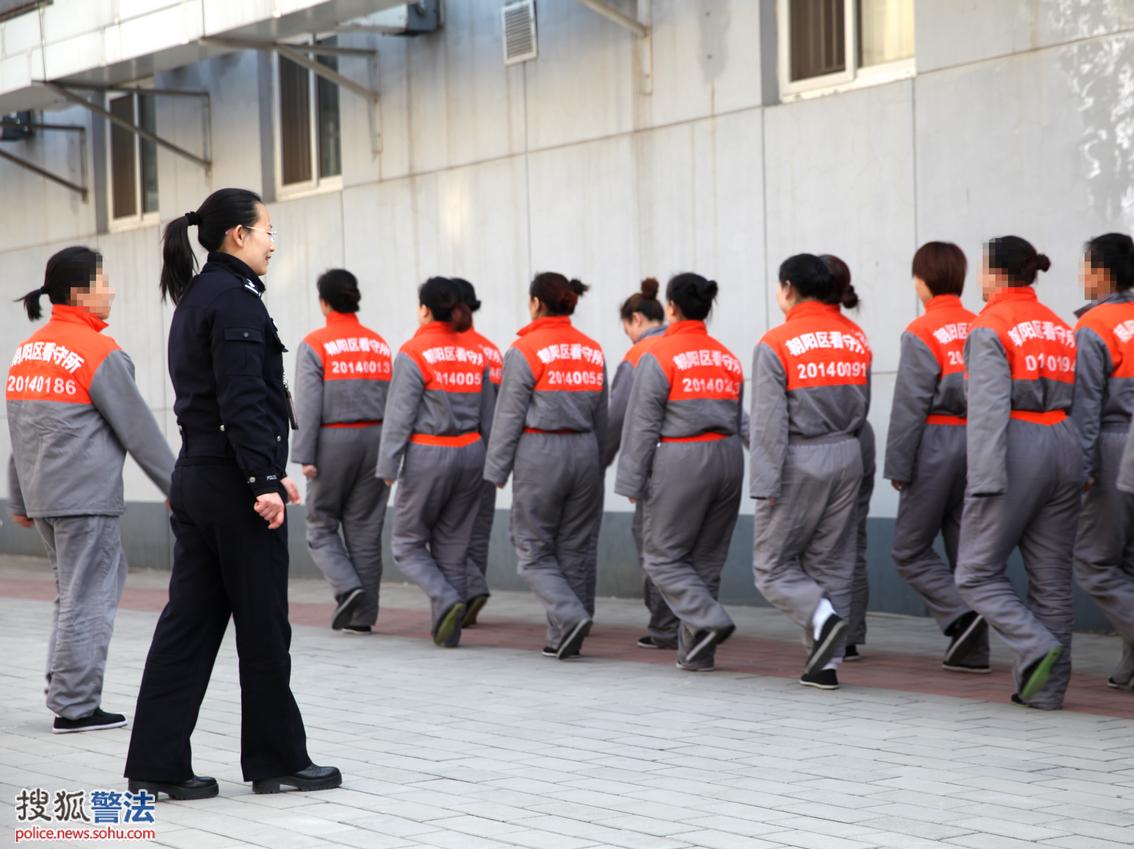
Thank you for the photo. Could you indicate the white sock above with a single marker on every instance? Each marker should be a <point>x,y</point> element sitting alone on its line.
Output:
<point>833,663</point>
<point>821,614</point>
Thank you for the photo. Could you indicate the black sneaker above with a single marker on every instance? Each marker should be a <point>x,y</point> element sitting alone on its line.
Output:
<point>475,606</point>
<point>649,642</point>
<point>967,633</point>
<point>357,630</point>
<point>972,667</point>
<point>1115,684</point>
<point>348,603</point>
<point>832,630</point>
<point>100,720</point>
<point>703,641</point>
<point>307,779</point>
<point>688,668</point>
<point>573,642</point>
<point>548,651</point>
<point>824,679</point>
<point>852,652</point>
<point>197,787</point>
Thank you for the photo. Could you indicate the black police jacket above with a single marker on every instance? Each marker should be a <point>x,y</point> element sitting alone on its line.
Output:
<point>226,363</point>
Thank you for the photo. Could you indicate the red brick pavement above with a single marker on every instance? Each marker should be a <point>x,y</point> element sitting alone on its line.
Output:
<point>888,670</point>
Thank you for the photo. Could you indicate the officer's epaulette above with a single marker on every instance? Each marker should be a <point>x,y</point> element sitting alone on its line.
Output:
<point>251,287</point>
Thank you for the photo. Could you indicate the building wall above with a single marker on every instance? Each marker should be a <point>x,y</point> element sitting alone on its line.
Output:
<point>1017,120</point>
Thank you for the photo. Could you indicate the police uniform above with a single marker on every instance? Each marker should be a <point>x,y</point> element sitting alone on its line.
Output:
<point>226,364</point>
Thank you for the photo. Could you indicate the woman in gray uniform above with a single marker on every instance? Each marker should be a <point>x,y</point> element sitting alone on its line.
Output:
<point>342,376</point>
<point>682,459</point>
<point>436,416</point>
<point>1104,402</point>
<point>643,322</point>
<point>550,423</point>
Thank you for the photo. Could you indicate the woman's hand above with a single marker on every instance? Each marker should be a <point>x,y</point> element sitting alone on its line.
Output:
<point>22,521</point>
<point>390,483</point>
<point>292,490</point>
<point>270,508</point>
<point>900,486</point>
<point>310,472</point>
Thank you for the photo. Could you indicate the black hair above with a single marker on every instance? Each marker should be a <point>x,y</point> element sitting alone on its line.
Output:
<point>1016,259</point>
<point>557,294</point>
<point>339,288</point>
<point>845,295</point>
<point>443,298</point>
<point>692,294</point>
<point>468,293</point>
<point>644,301</point>
<point>811,278</point>
<point>941,266</point>
<point>70,268</point>
<point>1115,253</point>
<point>221,211</point>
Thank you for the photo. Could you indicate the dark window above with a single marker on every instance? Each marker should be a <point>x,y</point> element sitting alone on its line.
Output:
<point>123,160</point>
<point>327,106</point>
<point>147,155</point>
<point>295,122</point>
<point>818,38</point>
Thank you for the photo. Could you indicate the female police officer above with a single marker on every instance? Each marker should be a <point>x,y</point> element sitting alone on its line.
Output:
<point>230,556</point>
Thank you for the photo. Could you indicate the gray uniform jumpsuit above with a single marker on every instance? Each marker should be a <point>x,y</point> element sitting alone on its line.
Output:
<point>550,423</point>
<point>1020,359</point>
<point>342,376</point>
<point>810,397</point>
<point>74,412</point>
<point>926,451</point>
<point>860,589</point>
<point>436,415</point>
<point>663,623</point>
<point>1104,402</point>
<point>486,512</point>
<point>682,459</point>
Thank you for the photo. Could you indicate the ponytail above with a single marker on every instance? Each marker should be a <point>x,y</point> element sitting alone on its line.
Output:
<point>557,294</point>
<point>644,301</point>
<point>442,297</point>
<point>468,293</point>
<point>70,268</point>
<point>221,211</point>
<point>692,294</point>
<point>844,294</point>
<point>1016,259</point>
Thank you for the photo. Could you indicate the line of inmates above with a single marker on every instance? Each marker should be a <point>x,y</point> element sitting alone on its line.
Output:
<point>978,399</point>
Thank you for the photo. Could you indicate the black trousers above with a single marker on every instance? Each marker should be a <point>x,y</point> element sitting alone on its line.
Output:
<point>225,563</point>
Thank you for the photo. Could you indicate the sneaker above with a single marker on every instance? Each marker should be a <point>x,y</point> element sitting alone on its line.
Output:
<point>357,630</point>
<point>703,641</point>
<point>649,642</point>
<point>824,648</point>
<point>824,679</point>
<point>348,603</point>
<point>449,626</point>
<point>1036,675</point>
<point>1115,684</point>
<point>970,666</point>
<point>688,668</point>
<point>852,652</point>
<point>100,720</point>
<point>573,642</point>
<point>476,605</point>
<point>968,631</point>
<point>548,651</point>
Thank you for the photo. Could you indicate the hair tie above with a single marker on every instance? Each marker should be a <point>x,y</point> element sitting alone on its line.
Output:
<point>192,218</point>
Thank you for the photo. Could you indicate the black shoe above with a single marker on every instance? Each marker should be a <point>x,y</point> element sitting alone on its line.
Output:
<point>824,679</point>
<point>100,720</point>
<point>548,651</point>
<point>852,652</point>
<point>649,642</point>
<point>967,632</point>
<point>447,634</point>
<point>704,641</point>
<point>832,630</point>
<point>1036,675</point>
<point>197,787</point>
<point>573,642</point>
<point>1115,684</point>
<point>475,606</point>
<point>970,666</point>
<point>348,603</point>
<point>687,668</point>
<point>357,630</point>
<point>308,779</point>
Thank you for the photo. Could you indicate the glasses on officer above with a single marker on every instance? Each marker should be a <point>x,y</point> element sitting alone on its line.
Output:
<point>273,234</point>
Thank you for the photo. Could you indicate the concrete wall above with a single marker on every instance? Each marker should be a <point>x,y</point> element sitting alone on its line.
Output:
<point>1016,121</point>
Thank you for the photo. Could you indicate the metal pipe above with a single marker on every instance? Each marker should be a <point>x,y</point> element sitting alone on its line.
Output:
<point>612,14</point>
<point>43,172</point>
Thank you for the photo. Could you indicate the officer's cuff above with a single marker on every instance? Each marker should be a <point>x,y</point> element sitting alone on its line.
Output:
<point>265,482</point>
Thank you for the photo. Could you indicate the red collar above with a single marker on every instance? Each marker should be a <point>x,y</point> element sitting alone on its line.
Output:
<point>808,308</point>
<point>1012,294</point>
<point>341,318</point>
<point>546,321</point>
<point>77,315</point>
<point>687,326</point>
<point>938,302</point>
<point>433,327</point>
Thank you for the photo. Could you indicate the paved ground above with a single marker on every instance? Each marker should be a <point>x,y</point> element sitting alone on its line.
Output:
<point>492,745</point>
